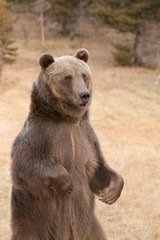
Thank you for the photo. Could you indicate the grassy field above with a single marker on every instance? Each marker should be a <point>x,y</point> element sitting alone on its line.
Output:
<point>126,115</point>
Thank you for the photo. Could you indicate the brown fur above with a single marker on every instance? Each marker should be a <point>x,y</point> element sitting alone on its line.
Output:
<point>57,164</point>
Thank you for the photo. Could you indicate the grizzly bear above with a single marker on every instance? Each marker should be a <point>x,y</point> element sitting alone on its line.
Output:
<point>57,162</point>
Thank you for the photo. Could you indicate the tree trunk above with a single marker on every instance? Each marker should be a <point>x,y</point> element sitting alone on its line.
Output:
<point>81,15</point>
<point>77,20</point>
<point>42,28</point>
<point>25,34</point>
<point>64,26</point>
<point>72,29</point>
<point>137,61</point>
<point>1,60</point>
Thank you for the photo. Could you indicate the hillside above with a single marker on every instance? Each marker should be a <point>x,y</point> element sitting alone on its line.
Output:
<point>94,33</point>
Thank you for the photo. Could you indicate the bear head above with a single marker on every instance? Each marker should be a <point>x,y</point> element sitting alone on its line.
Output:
<point>64,85</point>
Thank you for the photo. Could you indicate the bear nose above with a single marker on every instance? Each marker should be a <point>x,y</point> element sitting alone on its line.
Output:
<point>85,96</point>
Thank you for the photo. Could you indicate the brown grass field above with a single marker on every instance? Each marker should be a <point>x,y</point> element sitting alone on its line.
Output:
<point>125,112</point>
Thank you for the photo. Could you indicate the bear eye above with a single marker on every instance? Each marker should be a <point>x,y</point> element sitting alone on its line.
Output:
<point>85,78</point>
<point>68,78</point>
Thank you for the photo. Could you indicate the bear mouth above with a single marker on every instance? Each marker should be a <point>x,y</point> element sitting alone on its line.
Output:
<point>82,106</point>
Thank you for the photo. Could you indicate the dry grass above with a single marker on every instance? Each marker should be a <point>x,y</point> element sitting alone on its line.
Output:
<point>126,115</point>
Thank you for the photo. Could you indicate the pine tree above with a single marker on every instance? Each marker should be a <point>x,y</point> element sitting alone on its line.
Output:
<point>7,52</point>
<point>69,14</point>
<point>128,16</point>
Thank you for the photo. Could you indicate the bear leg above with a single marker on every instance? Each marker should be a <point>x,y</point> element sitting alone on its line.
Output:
<point>23,231</point>
<point>96,232</point>
<point>23,236</point>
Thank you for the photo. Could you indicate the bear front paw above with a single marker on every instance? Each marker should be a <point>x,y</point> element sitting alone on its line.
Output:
<point>111,193</point>
<point>60,182</point>
<point>62,186</point>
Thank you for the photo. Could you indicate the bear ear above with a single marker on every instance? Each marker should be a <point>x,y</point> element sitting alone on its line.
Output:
<point>82,54</point>
<point>45,60</point>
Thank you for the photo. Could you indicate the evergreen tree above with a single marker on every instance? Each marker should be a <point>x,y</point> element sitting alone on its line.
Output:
<point>128,16</point>
<point>7,52</point>
<point>69,14</point>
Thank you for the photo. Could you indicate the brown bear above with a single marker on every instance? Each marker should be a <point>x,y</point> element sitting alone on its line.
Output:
<point>57,163</point>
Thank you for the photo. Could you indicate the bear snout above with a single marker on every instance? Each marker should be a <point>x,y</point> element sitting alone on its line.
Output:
<point>85,96</point>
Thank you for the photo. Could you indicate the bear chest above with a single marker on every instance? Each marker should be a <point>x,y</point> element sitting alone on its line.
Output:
<point>72,149</point>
